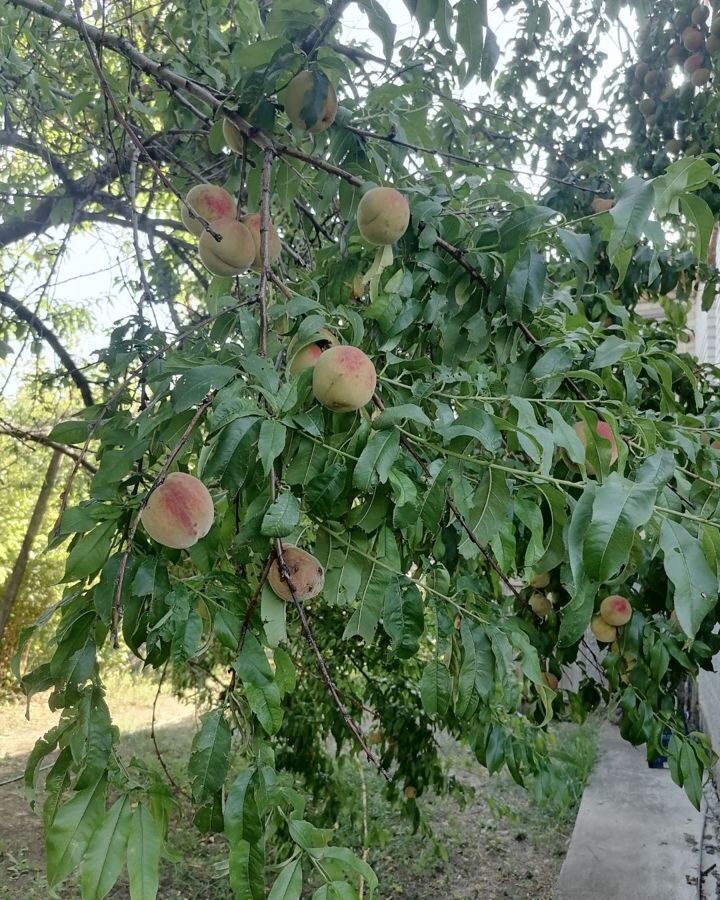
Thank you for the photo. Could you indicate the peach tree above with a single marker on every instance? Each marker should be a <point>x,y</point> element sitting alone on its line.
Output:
<point>383,447</point>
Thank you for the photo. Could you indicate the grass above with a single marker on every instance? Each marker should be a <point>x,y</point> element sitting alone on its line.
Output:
<point>500,843</point>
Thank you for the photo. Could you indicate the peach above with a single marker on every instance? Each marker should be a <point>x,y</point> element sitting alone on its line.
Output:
<point>540,604</point>
<point>305,572</point>
<point>344,379</point>
<point>411,792</point>
<point>692,38</point>
<point>700,14</point>
<point>602,204</point>
<point>383,215</point>
<point>178,512</point>
<point>701,76</point>
<point>233,254</point>
<point>252,223</point>
<point>616,610</point>
<point>210,202</point>
<point>540,581</point>
<point>308,354</point>
<point>233,136</point>
<point>603,431</point>
<point>692,63</point>
<point>310,102</point>
<point>550,680</point>
<point>605,633</point>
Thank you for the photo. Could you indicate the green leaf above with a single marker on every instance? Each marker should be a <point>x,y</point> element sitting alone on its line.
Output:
<point>89,553</point>
<point>376,460</point>
<point>370,599</point>
<point>271,443</point>
<point>72,431</point>
<point>477,673</point>
<point>700,214</point>
<point>696,587</point>
<point>282,517</point>
<point>194,385</point>
<point>263,694</point>
<point>470,36</point>
<point>435,688</point>
<point>401,413</point>
<point>288,884</point>
<point>143,855</point>
<point>74,824</point>
<point>381,24</point>
<point>525,285</point>
<point>273,612</point>
<point>491,502</point>
<point>209,756</point>
<point>403,618</point>
<point>246,870</point>
<point>620,507</point>
<point>575,616</point>
<point>579,522</point>
<point>629,215</point>
<point>105,857</point>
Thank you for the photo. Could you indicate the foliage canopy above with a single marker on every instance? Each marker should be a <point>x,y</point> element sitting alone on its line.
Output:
<point>506,315</point>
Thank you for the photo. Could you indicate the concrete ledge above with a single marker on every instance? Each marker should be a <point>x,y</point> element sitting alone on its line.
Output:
<point>636,837</point>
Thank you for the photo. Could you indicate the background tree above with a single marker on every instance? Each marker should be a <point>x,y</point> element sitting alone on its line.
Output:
<point>491,448</point>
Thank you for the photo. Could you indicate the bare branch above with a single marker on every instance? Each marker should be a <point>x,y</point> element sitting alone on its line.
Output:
<point>28,316</point>
<point>37,437</point>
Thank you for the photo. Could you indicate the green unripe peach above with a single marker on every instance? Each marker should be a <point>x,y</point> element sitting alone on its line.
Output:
<point>647,106</point>
<point>344,379</point>
<point>233,136</point>
<point>673,146</point>
<point>540,604</point>
<point>179,512</point>
<point>307,355</point>
<point>210,202</point>
<point>383,215</point>
<point>310,102</point>
<point>540,581</point>
<point>233,254</point>
<point>605,633</point>
<point>616,610</point>
<point>713,43</point>
<point>252,223</point>
<point>304,571</point>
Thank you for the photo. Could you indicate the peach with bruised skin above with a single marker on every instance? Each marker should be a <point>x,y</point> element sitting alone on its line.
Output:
<point>210,202</point>
<point>605,633</point>
<point>551,680</point>
<point>616,610</point>
<point>231,255</point>
<point>605,433</point>
<point>299,94</point>
<point>306,356</point>
<point>179,512</point>
<point>306,575</point>
<point>383,215</point>
<point>252,223</point>
<point>344,379</point>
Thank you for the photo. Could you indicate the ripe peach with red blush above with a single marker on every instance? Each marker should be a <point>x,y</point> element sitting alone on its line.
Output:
<point>232,254</point>
<point>344,379</point>
<point>616,610</point>
<point>179,512</point>
<point>210,202</point>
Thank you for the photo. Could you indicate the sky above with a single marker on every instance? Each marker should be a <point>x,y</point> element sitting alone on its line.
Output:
<point>95,264</point>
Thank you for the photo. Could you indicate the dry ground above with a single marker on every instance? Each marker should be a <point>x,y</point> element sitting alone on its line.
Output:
<point>500,845</point>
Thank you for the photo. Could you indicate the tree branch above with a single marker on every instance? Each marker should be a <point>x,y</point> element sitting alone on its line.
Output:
<point>12,139</point>
<point>26,315</point>
<point>37,437</point>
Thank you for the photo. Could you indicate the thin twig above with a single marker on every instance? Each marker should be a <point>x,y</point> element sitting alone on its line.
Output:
<point>165,769</point>
<point>264,246</point>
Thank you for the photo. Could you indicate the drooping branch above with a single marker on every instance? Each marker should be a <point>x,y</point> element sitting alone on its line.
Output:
<point>37,437</point>
<point>46,334</point>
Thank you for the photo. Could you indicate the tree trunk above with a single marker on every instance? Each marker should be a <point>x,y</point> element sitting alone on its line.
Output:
<point>12,586</point>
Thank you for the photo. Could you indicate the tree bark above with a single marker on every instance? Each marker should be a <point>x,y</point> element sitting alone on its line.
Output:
<point>12,585</point>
